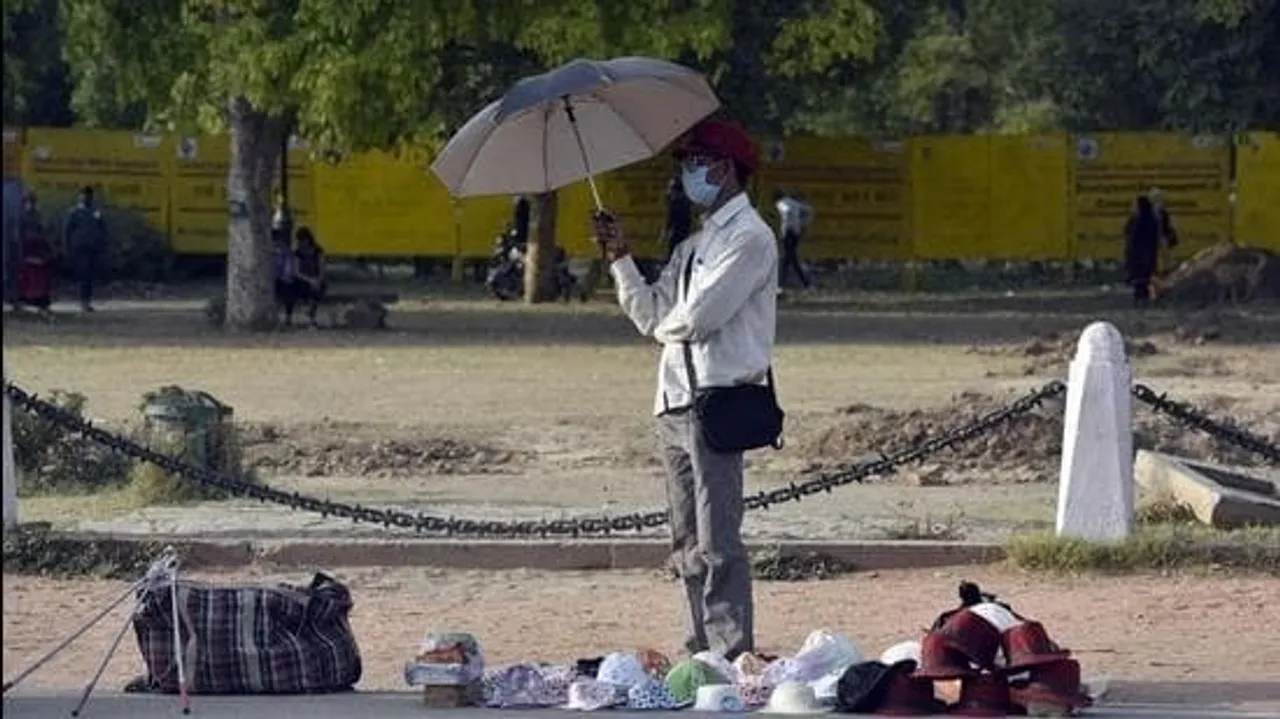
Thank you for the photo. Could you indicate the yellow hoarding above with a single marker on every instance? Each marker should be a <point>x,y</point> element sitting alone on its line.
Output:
<point>198,192</point>
<point>127,170</point>
<point>377,204</point>
<point>1258,190</point>
<point>950,196</point>
<point>1109,171</point>
<point>857,188</point>
<point>483,219</point>
<point>932,197</point>
<point>1028,201</point>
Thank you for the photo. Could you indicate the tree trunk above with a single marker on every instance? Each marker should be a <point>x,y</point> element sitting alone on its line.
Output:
<point>539,264</point>
<point>255,150</point>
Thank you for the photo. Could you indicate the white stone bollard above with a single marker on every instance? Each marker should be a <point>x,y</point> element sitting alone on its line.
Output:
<point>10,471</point>
<point>1095,489</point>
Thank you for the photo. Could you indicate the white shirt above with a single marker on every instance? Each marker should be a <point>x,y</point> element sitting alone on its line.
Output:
<point>729,315</point>
<point>794,214</point>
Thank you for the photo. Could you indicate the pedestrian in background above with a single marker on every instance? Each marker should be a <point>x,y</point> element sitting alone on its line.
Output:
<point>12,238</point>
<point>309,284</point>
<point>794,216</point>
<point>1142,233</point>
<point>85,236</point>
<point>35,276</point>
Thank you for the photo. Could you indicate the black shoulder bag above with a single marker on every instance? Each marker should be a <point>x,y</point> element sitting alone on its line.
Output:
<point>735,418</point>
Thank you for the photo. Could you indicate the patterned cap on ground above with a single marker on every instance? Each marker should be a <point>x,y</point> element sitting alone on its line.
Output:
<point>651,695</point>
<point>621,669</point>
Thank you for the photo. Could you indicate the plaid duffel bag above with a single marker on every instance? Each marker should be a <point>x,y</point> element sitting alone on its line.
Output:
<point>250,640</point>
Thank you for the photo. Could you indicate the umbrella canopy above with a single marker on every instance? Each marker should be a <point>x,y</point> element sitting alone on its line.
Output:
<point>583,118</point>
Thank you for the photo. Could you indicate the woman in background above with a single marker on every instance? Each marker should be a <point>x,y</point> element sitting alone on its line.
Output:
<point>35,275</point>
<point>309,283</point>
<point>1141,248</point>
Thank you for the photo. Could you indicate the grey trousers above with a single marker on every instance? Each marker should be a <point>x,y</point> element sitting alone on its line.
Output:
<point>704,496</point>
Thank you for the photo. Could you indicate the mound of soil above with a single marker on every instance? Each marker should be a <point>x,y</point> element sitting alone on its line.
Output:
<point>1028,448</point>
<point>1223,274</point>
<point>1035,440</point>
<point>329,451</point>
<point>1055,351</point>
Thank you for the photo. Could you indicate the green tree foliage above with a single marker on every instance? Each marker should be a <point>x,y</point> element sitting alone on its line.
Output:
<point>37,89</point>
<point>361,74</point>
<point>1171,64</point>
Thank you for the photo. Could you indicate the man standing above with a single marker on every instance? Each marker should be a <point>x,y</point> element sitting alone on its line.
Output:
<point>794,216</point>
<point>85,236</point>
<point>713,309</point>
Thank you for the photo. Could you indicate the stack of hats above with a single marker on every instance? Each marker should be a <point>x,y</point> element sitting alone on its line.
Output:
<point>1035,674</point>
<point>450,669</point>
<point>877,687</point>
<point>623,680</point>
<point>1045,680</point>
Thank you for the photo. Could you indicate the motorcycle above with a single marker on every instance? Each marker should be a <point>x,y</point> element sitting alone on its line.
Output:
<point>505,279</point>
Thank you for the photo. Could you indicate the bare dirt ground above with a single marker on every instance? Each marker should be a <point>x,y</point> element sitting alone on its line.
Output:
<point>1177,639</point>
<point>476,408</point>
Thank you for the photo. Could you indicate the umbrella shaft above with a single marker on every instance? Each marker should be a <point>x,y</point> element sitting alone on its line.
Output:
<point>582,147</point>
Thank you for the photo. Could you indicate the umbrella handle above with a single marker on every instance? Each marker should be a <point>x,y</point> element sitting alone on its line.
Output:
<point>586,161</point>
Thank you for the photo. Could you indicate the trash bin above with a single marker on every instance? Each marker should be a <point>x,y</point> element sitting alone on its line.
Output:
<point>193,424</point>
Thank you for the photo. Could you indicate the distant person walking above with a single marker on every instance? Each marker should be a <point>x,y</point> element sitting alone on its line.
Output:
<point>794,216</point>
<point>1142,233</point>
<point>35,277</point>
<point>679,222</point>
<point>85,236</point>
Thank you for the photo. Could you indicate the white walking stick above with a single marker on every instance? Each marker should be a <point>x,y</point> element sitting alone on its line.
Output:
<point>184,699</point>
<point>159,570</point>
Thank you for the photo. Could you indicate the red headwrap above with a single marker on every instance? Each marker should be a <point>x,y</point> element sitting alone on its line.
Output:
<point>722,138</point>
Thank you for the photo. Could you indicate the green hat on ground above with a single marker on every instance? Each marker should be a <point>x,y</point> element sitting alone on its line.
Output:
<point>684,679</point>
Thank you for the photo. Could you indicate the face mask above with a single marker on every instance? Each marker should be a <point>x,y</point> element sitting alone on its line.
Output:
<point>697,188</point>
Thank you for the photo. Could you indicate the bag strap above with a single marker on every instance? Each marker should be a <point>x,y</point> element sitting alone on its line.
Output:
<point>686,280</point>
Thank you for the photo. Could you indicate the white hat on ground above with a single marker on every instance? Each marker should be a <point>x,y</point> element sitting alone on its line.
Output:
<point>794,698</point>
<point>719,698</point>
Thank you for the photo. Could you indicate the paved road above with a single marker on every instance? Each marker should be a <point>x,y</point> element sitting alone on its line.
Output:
<point>405,705</point>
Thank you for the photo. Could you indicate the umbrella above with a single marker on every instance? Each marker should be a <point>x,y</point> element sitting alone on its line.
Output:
<point>580,119</point>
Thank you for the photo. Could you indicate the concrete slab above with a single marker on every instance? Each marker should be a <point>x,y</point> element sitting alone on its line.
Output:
<point>1224,497</point>
<point>405,705</point>
<point>498,554</point>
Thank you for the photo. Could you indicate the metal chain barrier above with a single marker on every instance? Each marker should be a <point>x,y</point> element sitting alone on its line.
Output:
<point>576,527</point>
<point>1189,416</point>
